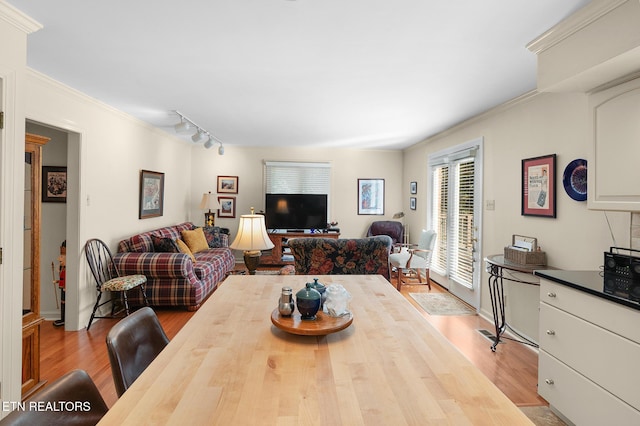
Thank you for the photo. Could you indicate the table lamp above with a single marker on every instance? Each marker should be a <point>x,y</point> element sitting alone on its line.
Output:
<point>252,237</point>
<point>209,202</point>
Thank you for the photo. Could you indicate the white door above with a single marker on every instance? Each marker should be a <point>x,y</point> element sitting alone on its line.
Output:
<point>455,201</point>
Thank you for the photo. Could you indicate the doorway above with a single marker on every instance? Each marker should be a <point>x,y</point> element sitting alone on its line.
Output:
<point>455,199</point>
<point>61,222</point>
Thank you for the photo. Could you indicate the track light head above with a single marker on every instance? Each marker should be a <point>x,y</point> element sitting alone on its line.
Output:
<point>183,126</point>
<point>199,136</point>
<point>220,149</point>
<point>209,143</point>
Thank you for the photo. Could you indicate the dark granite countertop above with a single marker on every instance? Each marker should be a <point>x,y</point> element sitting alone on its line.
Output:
<point>593,282</point>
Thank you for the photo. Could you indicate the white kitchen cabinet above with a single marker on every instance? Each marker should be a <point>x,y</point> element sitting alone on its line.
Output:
<point>589,347</point>
<point>614,125</point>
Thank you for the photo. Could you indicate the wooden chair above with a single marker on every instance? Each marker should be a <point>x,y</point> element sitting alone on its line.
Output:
<point>132,344</point>
<point>108,279</point>
<point>75,387</point>
<point>411,260</point>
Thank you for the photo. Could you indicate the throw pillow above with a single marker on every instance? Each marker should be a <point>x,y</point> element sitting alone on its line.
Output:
<point>164,245</point>
<point>212,234</point>
<point>195,240</point>
<point>141,243</point>
<point>185,249</point>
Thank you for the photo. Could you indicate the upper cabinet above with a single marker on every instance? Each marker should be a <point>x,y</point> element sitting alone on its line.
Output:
<point>596,45</point>
<point>596,51</point>
<point>613,171</point>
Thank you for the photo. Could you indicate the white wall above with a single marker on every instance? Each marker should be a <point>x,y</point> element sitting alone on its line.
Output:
<point>347,165</point>
<point>535,126</point>
<point>107,151</point>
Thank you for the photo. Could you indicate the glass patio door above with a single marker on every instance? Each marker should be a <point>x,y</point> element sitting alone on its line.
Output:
<point>455,201</point>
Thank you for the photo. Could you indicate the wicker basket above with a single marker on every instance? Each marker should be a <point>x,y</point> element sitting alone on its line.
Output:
<point>525,257</point>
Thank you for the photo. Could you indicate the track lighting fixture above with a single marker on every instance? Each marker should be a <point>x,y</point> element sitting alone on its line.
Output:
<point>201,135</point>
<point>183,126</point>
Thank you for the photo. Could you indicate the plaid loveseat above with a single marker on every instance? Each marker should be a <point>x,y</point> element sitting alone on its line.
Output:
<point>173,279</point>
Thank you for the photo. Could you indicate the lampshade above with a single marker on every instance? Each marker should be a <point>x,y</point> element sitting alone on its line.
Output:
<point>209,202</point>
<point>252,234</point>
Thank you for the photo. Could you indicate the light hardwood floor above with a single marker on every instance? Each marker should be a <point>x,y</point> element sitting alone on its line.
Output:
<point>512,368</point>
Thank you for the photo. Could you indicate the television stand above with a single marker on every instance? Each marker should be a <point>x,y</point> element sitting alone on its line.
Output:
<point>280,253</point>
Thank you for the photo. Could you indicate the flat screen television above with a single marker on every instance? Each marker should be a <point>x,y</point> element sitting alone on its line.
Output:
<point>296,211</point>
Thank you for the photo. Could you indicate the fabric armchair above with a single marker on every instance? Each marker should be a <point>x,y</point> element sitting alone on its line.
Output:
<point>326,256</point>
<point>392,228</point>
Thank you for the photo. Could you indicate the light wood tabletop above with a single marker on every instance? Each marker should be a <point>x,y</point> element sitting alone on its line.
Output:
<point>230,365</point>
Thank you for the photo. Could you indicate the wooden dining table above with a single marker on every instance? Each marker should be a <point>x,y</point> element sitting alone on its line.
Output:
<point>230,365</point>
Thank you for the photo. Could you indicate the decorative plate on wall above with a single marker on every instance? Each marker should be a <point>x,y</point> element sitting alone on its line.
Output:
<point>575,179</point>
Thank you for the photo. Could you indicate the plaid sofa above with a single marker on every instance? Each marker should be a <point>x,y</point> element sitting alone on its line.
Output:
<point>173,279</point>
<point>323,256</point>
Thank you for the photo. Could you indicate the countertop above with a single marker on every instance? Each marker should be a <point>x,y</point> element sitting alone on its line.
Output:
<point>592,282</point>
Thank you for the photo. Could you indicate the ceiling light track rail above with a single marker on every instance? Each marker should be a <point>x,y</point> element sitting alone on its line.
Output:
<point>187,125</point>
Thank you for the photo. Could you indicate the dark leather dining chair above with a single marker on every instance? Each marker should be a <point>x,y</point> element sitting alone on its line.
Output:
<point>132,344</point>
<point>75,387</point>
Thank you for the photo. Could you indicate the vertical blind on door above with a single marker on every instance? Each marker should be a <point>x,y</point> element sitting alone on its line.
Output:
<point>452,214</point>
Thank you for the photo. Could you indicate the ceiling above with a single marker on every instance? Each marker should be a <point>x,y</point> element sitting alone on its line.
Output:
<point>319,73</point>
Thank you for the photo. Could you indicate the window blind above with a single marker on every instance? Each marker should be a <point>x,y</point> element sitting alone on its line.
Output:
<point>288,177</point>
<point>462,265</point>
<point>439,213</point>
<point>452,214</point>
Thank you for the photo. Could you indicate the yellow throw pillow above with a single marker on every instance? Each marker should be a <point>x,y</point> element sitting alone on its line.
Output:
<point>195,240</point>
<point>185,249</point>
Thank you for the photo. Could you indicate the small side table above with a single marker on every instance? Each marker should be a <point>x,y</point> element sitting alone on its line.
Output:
<point>496,265</point>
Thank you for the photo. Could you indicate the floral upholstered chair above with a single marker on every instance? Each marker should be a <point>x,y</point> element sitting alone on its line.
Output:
<point>326,256</point>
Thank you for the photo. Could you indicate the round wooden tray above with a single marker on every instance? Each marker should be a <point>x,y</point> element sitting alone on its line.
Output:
<point>322,325</point>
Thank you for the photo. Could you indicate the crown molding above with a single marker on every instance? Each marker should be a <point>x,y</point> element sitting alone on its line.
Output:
<point>574,23</point>
<point>84,98</point>
<point>18,19</point>
<point>498,109</point>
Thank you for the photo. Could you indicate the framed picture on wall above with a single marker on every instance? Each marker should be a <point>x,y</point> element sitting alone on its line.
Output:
<point>413,187</point>
<point>54,184</point>
<point>228,184</point>
<point>412,203</point>
<point>227,207</point>
<point>151,194</point>
<point>539,186</point>
<point>371,196</point>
